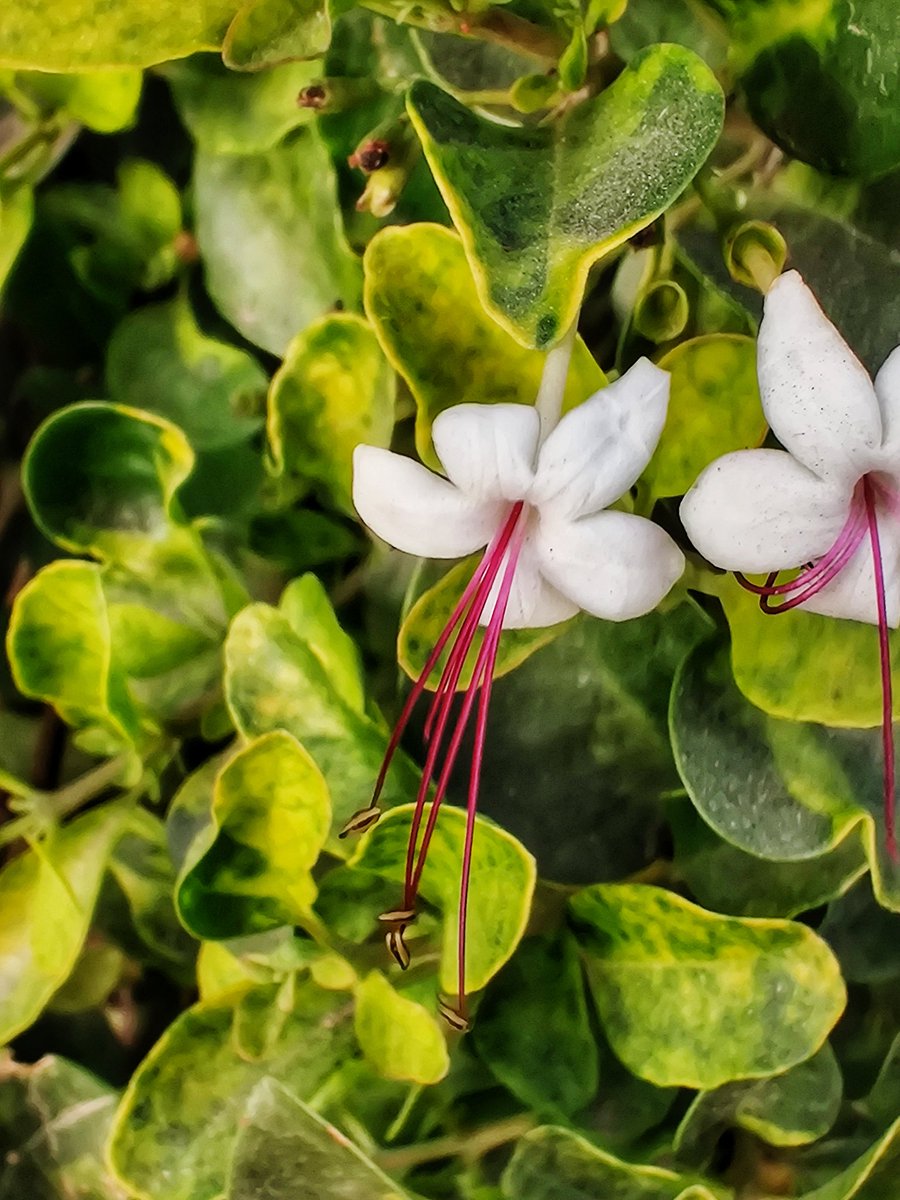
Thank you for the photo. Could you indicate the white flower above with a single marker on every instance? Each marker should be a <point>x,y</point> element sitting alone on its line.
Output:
<point>573,555</point>
<point>817,500</point>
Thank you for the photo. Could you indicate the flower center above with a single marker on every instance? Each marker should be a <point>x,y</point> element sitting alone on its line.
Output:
<point>490,585</point>
<point>862,521</point>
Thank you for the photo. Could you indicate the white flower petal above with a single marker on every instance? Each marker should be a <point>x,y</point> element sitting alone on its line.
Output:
<point>761,510</point>
<point>417,511</point>
<point>887,389</point>
<point>533,603</point>
<point>817,395</point>
<point>852,594</point>
<point>488,450</point>
<point>599,449</point>
<point>612,564</point>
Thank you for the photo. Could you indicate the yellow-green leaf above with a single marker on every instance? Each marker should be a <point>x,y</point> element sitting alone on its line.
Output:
<point>399,1037</point>
<point>252,870</point>
<point>502,884</point>
<point>693,999</point>
<point>422,300</point>
<point>333,391</point>
<point>265,33</point>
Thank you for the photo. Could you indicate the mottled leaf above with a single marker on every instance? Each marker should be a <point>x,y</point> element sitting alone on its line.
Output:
<point>502,884</point>
<point>333,391</point>
<point>182,1110</point>
<point>440,338</point>
<point>47,896</point>
<point>695,999</point>
<point>714,407</point>
<point>159,360</point>
<point>305,604</point>
<point>400,1038</point>
<point>537,206</point>
<point>252,871</point>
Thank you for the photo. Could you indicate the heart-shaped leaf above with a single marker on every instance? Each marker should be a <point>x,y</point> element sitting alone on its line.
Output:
<point>502,884</point>
<point>537,206</point>
<point>333,391</point>
<point>693,999</point>
<point>271,815</point>
<point>440,338</point>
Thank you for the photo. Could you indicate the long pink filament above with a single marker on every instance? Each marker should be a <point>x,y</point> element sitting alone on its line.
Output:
<point>887,700</point>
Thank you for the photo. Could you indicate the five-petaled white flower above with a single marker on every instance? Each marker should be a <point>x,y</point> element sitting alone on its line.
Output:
<point>573,554</point>
<point>829,502</point>
<point>552,549</point>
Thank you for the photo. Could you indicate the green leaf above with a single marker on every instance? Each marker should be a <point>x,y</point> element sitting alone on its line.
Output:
<point>271,815</point>
<point>265,222</point>
<point>647,22</point>
<point>693,999</point>
<point>811,788</point>
<point>882,1102</point>
<point>792,1109</point>
<point>183,1108</point>
<point>159,360</point>
<point>557,1164</point>
<point>47,897</point>
<point>76,35</point>
<point>59,645</point>
<point>714,407</point>
<point>501,888</point>
<point>54,1120</point>
<point>105,101</point>
<point>16,215</point>
<point>333,391</point>
<point>536,207</point>
<point>815,77</point>
<point>305,604</point>
<point>427,618</point>
<point>265,33</point>
<point>100,478</point>
<point>283,1141</point>
<point>873,1176</point>
<point>230,113</point>
<point>274,680</point>
<point>399,1037</point>
<point>441,340</point>
<point>533,1028</point>
<point>805,667</point>
<point>864,936</point>
<point>729,880</point>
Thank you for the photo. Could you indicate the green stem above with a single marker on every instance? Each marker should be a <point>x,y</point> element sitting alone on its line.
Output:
<point>553,381</point>
<point>469,1145</point>
<point>46,808</point>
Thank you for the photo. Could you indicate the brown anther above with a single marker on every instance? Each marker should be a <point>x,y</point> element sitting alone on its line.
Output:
<point>362,819</point>
<point>371,156</point>
<point>397,948</point>
<point>398,916</point>
<point>314,96</point>
<point>454,1018</point>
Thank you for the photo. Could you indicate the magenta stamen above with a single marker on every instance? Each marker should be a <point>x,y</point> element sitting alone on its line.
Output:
<point>887,700</point>
<point>491,564</point>
<point>490,648</point>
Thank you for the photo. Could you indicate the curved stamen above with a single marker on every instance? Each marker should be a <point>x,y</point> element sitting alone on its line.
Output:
<point>443,700</point>
<point>887,699</point>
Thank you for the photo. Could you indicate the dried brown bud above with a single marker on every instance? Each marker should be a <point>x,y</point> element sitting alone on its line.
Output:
<point>314,96</point>
<point>371,156</point>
